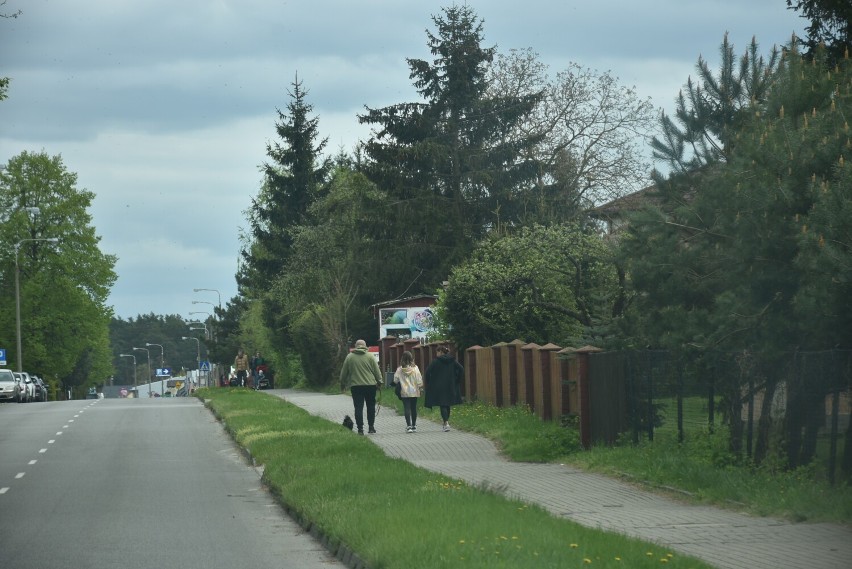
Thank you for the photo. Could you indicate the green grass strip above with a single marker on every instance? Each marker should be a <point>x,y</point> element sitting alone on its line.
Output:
<point>394,514</point>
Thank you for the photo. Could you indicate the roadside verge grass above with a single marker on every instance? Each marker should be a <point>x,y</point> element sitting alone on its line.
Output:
<point>394,514</point>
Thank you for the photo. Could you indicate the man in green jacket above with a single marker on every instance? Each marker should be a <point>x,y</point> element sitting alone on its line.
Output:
<point>361,374</point>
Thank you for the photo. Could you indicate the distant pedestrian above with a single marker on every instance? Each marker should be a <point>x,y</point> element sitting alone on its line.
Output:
<point>443,384</point>
<point>361,374</point>
<point>410,382</point>
<point>241,365</point>
<point>257,365</point>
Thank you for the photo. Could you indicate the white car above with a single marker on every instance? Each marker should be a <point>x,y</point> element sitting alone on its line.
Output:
<point>9,388</point>
<point>28,392</point>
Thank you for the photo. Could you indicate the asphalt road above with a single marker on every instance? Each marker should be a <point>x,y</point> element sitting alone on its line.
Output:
<point>136,483</point>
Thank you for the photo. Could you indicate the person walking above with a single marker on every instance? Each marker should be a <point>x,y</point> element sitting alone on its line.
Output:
<point>360,373</point>
<point>443,384</point>
<point>410,382</point>
<point>241,365</point>
<point>256,365</point>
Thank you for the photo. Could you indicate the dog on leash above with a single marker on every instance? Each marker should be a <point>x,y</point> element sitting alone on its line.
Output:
<point>348,423</point>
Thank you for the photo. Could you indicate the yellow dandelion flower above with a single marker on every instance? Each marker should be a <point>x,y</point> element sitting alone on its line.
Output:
<point>669,555</point>
<point>664,560</point>
<point>461,541</point>
<point>618,558</point>
<point>587,561</point>
<point>574,546</point>
<point>650,554</point>
<point>515,537</point>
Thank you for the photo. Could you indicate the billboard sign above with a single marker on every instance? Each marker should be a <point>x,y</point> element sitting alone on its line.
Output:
<point>414,322</point>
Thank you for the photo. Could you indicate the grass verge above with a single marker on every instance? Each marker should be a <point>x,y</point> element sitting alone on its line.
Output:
<point>393,514</point>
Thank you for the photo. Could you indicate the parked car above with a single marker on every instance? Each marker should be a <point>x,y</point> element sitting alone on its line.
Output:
<point>40,388</point>
<point>10,389</point>
<point>27,387</point>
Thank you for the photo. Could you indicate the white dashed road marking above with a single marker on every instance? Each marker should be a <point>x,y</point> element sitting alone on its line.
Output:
<point>20,475</point>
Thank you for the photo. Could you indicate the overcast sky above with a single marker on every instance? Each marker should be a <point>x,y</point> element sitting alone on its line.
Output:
<point>164,108</point>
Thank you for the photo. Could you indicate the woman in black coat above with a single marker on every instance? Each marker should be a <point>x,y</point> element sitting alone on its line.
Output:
<point>443,384</point>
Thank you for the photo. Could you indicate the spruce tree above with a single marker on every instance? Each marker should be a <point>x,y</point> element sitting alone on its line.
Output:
<point>451,172</point>
<point>293,180</point>
<point>830,26</point>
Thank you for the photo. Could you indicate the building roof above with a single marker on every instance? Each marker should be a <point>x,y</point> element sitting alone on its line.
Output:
<point>405,302</point>
<point>630,202</point>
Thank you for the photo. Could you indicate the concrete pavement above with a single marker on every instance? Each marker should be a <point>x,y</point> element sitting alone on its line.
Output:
<point>723,538</point>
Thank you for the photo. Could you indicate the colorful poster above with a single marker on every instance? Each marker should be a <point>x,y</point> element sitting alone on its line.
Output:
<point>413,322</point>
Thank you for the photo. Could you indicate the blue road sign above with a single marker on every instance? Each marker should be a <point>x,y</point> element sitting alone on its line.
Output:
<point>204,366</point>
<point>2,356</point>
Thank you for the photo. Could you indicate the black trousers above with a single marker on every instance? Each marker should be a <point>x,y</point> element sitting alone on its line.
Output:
<point>362,394</point>
<point>409,405</point>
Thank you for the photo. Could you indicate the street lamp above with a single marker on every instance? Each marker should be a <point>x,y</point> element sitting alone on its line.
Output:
<point>147,353</point>
<point>219,294</point>
<point>213,323</point>
<point>162,363</point>
<point>202,327</point>
<point>18,293</point>
<point>198,350</point>
<point>134,365</point>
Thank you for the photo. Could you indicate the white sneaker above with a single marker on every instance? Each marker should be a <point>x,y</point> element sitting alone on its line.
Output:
<point>446,427</point>
<point>409,430</point>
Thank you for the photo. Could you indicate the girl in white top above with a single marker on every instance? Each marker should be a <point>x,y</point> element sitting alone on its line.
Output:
<point>408,377</point>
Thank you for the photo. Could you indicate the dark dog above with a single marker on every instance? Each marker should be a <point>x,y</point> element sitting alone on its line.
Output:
<point>347,422</point>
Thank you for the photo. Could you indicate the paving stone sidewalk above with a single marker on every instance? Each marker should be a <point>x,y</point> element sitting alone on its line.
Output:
<point>725,539</point>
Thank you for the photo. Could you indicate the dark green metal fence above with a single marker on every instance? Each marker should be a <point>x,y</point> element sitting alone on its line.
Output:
<point>798,402</point>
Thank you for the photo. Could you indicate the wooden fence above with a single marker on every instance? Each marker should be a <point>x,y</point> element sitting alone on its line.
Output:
<point>549,379</point>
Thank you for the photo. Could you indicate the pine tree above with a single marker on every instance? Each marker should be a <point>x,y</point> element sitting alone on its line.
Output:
<point>708,113</point>
<point>753,253</point>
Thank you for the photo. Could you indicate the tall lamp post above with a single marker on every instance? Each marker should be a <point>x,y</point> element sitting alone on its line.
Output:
<point>162,363</point>
<point>134,365</point>
<point>147,353</point>
<point>18,294</point>
<point>198,350</point>
<point>213,324</point>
